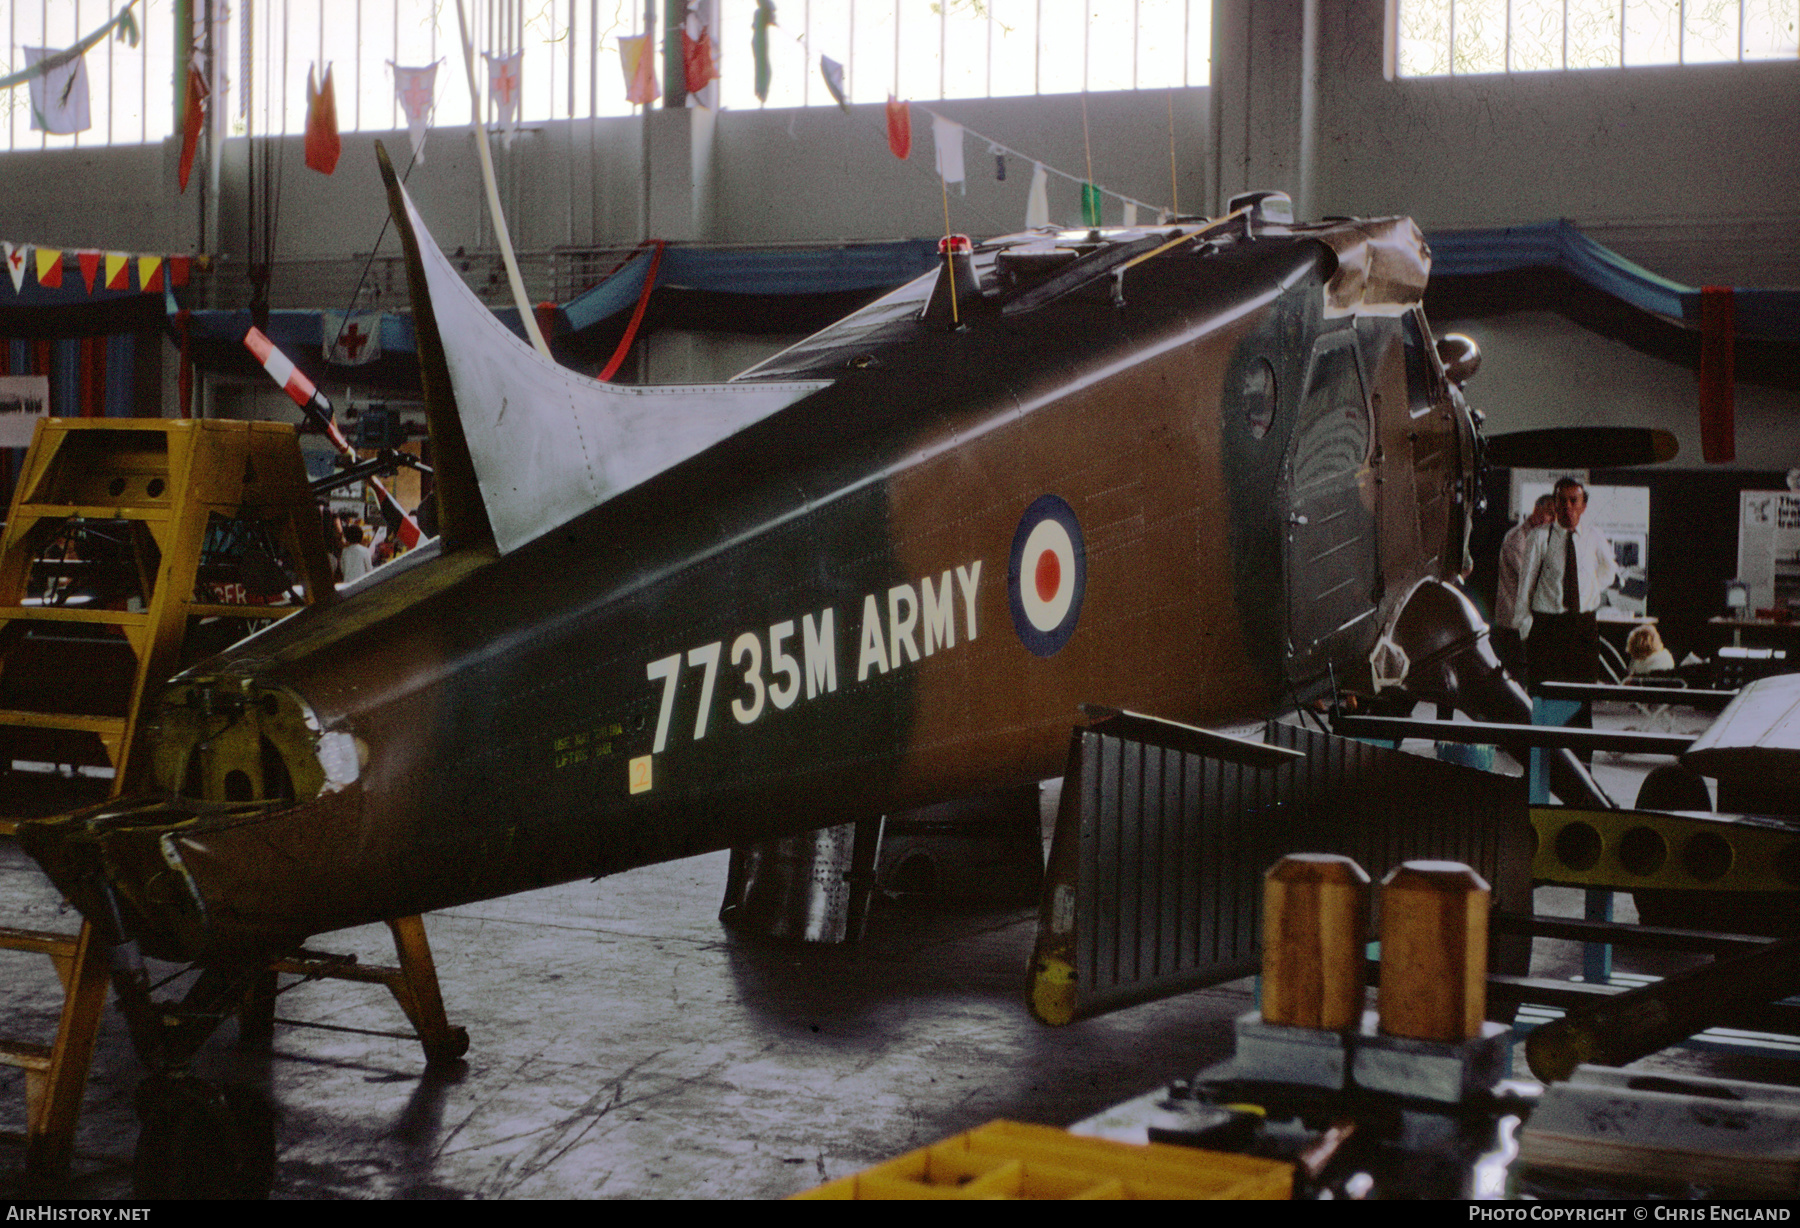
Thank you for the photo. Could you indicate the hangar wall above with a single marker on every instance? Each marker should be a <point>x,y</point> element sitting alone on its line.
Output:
<point>1689,170</point>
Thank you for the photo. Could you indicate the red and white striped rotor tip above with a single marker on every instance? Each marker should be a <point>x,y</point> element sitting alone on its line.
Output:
<point>282,370</point>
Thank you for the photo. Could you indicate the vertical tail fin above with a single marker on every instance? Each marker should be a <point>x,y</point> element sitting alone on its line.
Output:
<point>462,516</point>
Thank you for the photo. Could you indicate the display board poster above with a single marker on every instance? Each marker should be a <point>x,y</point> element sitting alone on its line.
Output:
<point>23,400</point>
<point>1769,547</point>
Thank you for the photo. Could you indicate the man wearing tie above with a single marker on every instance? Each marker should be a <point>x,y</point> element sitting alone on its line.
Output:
<point>1567,567</point>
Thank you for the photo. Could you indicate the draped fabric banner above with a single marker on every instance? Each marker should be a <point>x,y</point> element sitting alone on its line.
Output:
<point>1718,375</point>
<point>833,72</point>
<point>59,96</point>
<point>698,68</point>
<point>760,21</point>
<point>350,338</point>
<point>947,137</point>
<point>193,120</point>
<point>323,145</point>
<point>637,59</point>
<point>1037,200</point>
<point>899,119</point>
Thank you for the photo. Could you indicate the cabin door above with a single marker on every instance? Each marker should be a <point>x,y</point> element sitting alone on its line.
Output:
<point>1329,490</point>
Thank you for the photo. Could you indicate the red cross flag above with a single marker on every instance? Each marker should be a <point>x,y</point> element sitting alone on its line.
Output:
<point>417,90</point>
<point>351,338</point>
<point>503,90</point>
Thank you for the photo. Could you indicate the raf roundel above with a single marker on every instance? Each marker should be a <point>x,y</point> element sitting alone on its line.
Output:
<point>1047,575</point>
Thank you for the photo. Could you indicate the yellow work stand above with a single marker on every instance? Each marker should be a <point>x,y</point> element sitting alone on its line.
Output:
<point>115,556</point>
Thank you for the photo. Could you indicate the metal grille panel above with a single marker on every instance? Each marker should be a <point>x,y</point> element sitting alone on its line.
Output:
<point>1156,870</point>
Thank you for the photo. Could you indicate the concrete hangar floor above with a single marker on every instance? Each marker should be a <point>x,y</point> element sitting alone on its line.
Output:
<point>625,1044</point>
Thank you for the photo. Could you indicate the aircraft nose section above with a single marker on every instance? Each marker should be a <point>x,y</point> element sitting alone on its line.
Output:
<point>235,739</point>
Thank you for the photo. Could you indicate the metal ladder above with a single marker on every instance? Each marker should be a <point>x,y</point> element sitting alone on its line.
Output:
<point>153,500</point>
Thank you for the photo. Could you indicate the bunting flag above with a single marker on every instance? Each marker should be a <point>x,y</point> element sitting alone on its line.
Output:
<point>16,259</point>
<point>103,270</point>
<point>833,72</point>
<point>698,69</point>
<point>59,95</point>
<point>322,142</point>
<point>947,137</point>
<point>49,267</point>
<point>350,338</point>
<point>1090,204</point>
<point>193,119</point>
<point>638,60</point>
<point>417,90</point>
<point>1037,200</point>
<point>760,21</point>
<point>123,21</point>
<point>503,90</point>
<point>899,128</point>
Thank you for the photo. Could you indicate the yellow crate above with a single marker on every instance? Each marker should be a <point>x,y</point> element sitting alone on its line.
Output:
<point>1009,1159</point>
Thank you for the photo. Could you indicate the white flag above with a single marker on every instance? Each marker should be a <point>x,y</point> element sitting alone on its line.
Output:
<point>833,72</point>
<point>417,90</point>
<point>947,134</point>
<point>1037,201</point>
<point>503,90</point>
<point>59,98</point>
<point>18,255</point>
<point>351,338</point>
<point>1131,213</point>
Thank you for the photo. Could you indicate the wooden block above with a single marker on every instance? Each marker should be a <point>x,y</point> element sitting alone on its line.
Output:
<point>1433,951</point>
<point>1315,917</point>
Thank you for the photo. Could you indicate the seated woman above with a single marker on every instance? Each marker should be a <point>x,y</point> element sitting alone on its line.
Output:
<point>1646,652</point>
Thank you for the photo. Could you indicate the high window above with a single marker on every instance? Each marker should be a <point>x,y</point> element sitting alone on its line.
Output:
<point>260,51</point>
<point>1436,38</point>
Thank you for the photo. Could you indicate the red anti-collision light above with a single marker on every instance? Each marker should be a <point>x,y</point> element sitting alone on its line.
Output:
<point>959,244</point>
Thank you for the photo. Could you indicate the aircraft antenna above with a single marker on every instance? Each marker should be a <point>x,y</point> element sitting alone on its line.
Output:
<point>1087,148</point>
<point>949,256</point>
<point>527,317</point>
<point>1174,191</point>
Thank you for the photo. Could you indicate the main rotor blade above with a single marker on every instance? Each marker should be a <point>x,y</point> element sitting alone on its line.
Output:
<point>1581,447</point>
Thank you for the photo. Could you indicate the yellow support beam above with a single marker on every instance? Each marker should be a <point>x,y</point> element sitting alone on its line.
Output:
<point>166,480</point>
<point>1626,850</point>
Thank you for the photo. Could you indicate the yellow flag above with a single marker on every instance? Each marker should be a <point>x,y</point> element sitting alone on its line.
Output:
<point>49,266</point>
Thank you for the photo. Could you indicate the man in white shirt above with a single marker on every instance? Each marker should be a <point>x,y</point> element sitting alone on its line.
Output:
<point>356,559</point>
<point>1512,620</point>
<point>1566,569</point>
